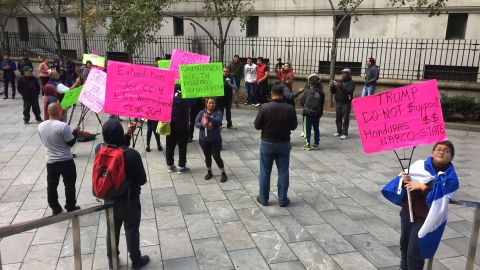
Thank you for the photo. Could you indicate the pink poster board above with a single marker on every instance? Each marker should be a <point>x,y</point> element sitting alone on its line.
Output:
<point>93,93</point>
<point>180,57</point>
<point>402,117</point>
<point>139,91</point>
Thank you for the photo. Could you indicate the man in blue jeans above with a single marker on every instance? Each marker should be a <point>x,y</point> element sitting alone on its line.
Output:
<point>371,77</point>
<point>276,119</point>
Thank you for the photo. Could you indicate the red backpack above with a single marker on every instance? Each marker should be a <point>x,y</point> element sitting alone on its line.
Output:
<point>108,176</point>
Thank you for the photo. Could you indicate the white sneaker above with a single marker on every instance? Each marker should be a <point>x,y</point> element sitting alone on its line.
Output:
<point>171,168</point>
<point>337,134</point>
<point>343,137</point>
<point>302,134</point>
<point>257,105</point>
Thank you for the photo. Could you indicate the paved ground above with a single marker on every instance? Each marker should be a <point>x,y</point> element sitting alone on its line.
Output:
<point>337,219</point>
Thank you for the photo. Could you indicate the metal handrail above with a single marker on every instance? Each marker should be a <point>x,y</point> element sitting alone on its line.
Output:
<point>74,216</point>
<point>472,247</point>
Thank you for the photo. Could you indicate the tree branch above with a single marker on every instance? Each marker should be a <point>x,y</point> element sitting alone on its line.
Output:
<point>219,20</point>
<point>231,20</point>
<point>203,28</point>
<point>39,21</point>
<point>348,13</point>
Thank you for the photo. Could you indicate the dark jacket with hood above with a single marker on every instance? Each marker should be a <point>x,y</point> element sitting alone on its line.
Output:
<point>113,134</point>
<point>344,93</point>
<point>181,112</point>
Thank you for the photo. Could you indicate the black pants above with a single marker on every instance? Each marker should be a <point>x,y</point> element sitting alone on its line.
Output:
<point>179,137</point>
<point>6,81</point>
<point>128,213</point>
<point>409,244</point>
<point>225,106</point>
<point>260,92</point>
<point>33,104</point>
<point>68,171</point>
<point>193,115</point>
<point>212,149</point>
<point>342,117</point>
<point>151,128</point>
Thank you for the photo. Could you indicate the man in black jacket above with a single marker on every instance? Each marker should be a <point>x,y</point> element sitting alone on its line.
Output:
<point>224,103</point>
<point>29,88</point>
<point>127,208</point>
<point>343,91</point>
<point>276,119</point>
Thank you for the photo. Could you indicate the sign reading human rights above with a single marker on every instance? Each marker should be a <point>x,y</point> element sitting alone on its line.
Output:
<point>95,59</point>
<point>402,117</point>
<point>139,91</point>
<point>71,97</point>
<point>180,57</point>
<point>93,92</point>
<point>203,80</point>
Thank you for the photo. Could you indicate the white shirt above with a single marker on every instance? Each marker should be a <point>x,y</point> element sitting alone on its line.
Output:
<point>250,72</point>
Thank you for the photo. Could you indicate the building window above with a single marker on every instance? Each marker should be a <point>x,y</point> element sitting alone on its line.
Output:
<point>344,28</point>
<point>178,26</point>
<point>252,26</point>
<point>63,25</point>
<point>23,28</point>
<point>456,26</point>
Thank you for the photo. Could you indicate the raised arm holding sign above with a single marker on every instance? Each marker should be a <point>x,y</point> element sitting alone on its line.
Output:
<point>95,59</point>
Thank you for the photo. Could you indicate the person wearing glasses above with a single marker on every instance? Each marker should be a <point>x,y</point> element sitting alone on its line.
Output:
<point>431,183</point>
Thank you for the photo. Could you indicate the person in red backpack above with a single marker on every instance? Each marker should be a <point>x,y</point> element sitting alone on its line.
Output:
<point>127,207</point>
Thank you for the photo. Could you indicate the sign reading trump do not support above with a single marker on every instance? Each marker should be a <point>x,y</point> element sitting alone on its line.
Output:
<point>139,91</point>
<point>402,117</point>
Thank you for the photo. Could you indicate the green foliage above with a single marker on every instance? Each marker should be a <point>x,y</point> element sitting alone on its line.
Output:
<point>432,6</point>
<point>228,9</point>
<point>465,106</point>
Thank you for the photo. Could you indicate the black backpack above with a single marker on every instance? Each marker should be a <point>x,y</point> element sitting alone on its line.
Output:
<point>313,103</point>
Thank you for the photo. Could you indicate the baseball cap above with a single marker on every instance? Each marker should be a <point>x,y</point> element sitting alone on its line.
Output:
<point>27,69</point>
<point>313,75</point>
<point>347,70</point>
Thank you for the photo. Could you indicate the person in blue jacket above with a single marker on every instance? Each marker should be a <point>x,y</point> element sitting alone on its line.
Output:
<point>209,121</point>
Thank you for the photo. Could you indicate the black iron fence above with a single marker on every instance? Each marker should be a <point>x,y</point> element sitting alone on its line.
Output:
<point>411,59</point>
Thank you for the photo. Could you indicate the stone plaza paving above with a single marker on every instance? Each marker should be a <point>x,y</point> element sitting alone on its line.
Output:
<point>337,218</point>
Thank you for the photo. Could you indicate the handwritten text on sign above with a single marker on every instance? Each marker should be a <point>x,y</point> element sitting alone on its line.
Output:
<point>93,92</point>
<point>185,58</point>
<point>139,91</point>
<point>204,80</point>
<point>95,59</point>
<point>402,117</point>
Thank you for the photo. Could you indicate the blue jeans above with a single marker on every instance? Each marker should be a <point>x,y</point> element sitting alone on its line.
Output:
<point>250,91</point>
<point>280,153</point>
<point>308,122</point>
<point>368,90</point>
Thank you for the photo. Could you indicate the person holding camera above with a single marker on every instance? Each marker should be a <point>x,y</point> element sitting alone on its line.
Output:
<point>343,91</point>
<point>225,103</point>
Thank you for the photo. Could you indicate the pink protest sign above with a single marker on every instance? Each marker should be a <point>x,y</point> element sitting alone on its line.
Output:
<point>402,117</point>
<point>185,58</point>
<point>139,91</point>
<point>93,93</point>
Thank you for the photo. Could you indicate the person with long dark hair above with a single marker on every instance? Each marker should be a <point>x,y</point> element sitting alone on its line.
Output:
<point>209,121</point>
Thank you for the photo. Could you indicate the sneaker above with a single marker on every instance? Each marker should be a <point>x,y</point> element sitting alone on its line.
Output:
<point>257,105</point>
<point>190,139</point>
<point>306,146</point>
<point>315,147</point>
<point>224,177</point>
<point>39,120</point>
<point>229,126</point>
<point>343,137</point>
<point>147,149</point>
<point>13,97</point>
<point>26,122</point>
<point>246,103</point>
<point>183,170</point>
<point>302,134</point>
<point>5,98</point>
<point>209,175</point>
<point>260,202</point>
<point>144,260</point>
<point>57,211</point>
<point>337,134</point>
<point>171,168</point>
<point>160,148</point>
<point>287,202</point>
<point>71,209</point>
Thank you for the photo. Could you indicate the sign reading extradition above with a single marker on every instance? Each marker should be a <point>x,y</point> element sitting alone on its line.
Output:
<point>139,91</point>
<point>402,117</point>
<point>180,57</point>
<point>93,92</point>
<point>204,80</point>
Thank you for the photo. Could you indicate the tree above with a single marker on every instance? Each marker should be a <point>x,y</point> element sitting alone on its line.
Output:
<point>55,8</point>
<point>7,9</point>
<point>346,8</point>
<point>223,11</point>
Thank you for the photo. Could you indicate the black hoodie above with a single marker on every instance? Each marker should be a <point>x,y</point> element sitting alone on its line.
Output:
<point>112,132</point>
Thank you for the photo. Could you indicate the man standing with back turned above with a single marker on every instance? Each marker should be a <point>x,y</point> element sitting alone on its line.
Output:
<point>57,138</point>
<point>276,119</point>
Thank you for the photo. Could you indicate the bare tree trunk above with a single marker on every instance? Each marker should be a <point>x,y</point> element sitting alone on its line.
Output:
<point>221,50</point>
<point>84,35</point>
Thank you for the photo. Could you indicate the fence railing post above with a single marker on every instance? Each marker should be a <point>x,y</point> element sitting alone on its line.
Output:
<point>77,246</point>
<point>113,241</point>
<point>472,248</point>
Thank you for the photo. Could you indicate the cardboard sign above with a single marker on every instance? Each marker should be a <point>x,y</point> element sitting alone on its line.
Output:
<point>165,64</point>
<point>93,93</point>
<point>95,59</point>
<point>185,58</point>
<point>402,117</point>
<point>139,91</point>
<point>204,80</point>
<point>71,97</point>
